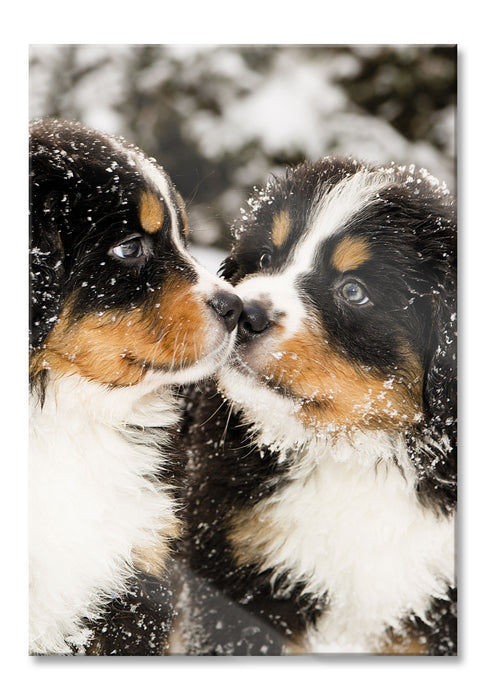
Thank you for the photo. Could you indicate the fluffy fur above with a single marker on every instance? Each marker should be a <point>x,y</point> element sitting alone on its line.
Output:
<point>120,314</point>
<point>322,472</point>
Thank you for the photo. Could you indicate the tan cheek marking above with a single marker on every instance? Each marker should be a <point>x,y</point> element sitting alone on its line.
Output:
<point>117,349</point>
<point>334,391</point>
<point>350,253</point>
<point>151,212</point>
<point>280,227</point>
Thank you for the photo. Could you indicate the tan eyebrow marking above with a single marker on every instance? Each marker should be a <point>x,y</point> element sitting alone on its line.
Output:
<point>280,227</point>
<point>350,253</point>
<point>151,212</point>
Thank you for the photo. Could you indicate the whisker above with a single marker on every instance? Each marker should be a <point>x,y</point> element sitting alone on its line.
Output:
<point>215,412</point>
<point>171,369</point>
<point>225,432</point>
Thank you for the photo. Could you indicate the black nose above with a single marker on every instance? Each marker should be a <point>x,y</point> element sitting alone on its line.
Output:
<point>253,320</point>
<point>228,307</point>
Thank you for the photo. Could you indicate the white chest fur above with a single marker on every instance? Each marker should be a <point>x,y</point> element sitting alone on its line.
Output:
<point>353,528</point>
<point>93,501</point>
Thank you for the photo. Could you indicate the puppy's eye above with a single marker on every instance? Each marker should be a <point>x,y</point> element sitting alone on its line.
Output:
<point>354,292</point>
<point>265,260</point>
<point>129,249</point>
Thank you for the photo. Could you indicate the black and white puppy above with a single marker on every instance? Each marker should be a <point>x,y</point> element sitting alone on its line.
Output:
<point>120,313</point>
<point>322,467</point>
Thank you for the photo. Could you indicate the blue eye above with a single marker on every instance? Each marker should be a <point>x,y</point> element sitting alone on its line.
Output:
<point>354,292</point>
<point>129,250</point>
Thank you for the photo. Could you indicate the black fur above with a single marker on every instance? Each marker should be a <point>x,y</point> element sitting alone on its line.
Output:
<point>139,623</point>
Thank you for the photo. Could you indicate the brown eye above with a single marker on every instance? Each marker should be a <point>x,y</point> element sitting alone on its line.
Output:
<point>265,260</point>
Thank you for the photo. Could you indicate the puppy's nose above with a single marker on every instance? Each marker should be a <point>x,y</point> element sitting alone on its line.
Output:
<point>253,320</point>
<point>228,307</point>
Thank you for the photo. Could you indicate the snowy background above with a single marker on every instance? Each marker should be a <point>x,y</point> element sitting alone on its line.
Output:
<point>221,118</point>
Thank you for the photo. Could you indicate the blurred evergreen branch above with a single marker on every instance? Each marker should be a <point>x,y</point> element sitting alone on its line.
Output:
<point>221,118</point>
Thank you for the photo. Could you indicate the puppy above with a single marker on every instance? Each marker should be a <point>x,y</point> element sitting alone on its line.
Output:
<point>120,314</point>
<point>322,472</point>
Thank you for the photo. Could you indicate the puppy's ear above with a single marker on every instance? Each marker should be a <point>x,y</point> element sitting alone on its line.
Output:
<point>46,251</point>
<point>434,447</point>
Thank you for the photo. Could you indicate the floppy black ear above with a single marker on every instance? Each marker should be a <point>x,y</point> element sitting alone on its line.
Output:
<point>46,253</point>
<point>433,447</point>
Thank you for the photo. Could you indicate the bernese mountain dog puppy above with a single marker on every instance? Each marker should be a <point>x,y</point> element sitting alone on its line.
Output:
<point>322,471</point>
<point>121,313</point>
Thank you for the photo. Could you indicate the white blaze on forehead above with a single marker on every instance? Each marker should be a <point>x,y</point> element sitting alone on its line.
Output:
<point>333,210</point>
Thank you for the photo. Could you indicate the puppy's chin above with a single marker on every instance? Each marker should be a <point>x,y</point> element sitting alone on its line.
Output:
<point>274,414</point>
